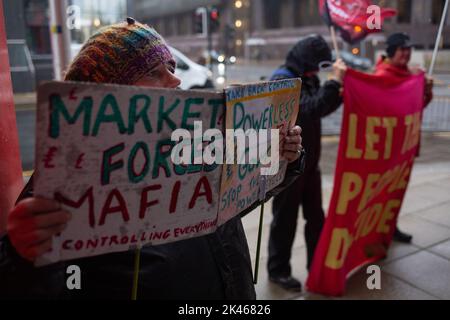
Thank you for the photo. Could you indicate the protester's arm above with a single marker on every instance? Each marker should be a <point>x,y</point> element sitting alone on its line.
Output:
<point>10,260</point>
<point>325,101</point>
<point>31,224</point>
<point>428,91</point>
<point>19,278</point>
<point>328,97</point>
<point>11,269</point>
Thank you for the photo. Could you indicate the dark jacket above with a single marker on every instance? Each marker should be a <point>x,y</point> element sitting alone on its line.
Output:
<point>214,266</point>
<point>315,102</point>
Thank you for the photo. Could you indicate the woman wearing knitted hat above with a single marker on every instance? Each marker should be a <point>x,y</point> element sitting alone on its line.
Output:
<point>215,266</point>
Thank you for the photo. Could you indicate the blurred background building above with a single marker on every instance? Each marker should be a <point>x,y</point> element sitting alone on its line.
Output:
<point>251,30</point>
<point>266,29</point>
<point>28,34</point>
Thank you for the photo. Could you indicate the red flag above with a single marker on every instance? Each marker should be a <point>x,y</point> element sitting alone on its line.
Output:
<point>11,181</point>
<point>379,140</point>
<point>350,17</point>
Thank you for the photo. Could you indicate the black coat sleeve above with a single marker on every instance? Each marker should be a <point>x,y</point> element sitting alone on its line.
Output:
<point>325,101</point>
<point>20,279</point>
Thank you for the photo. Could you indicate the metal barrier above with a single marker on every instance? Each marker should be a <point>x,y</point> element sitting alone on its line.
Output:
<point>436,118</point>
<point>437,115</point>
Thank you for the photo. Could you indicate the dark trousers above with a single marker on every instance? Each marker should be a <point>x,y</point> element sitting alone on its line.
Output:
<point>307,191</point>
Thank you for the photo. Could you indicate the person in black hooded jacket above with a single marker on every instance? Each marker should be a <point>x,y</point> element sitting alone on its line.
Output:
<point>304,60</point>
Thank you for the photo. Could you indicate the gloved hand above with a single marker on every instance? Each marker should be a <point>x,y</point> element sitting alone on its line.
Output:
<point>339,69</point>
<point>292,144</point>
<point>32,224</point>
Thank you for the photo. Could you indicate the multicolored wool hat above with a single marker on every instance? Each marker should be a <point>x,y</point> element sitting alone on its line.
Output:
<point>120,53</point>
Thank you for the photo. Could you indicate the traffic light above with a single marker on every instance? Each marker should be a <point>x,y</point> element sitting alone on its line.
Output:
<point>206,18</point>
<point>214,19</point>
<point>200,21</point>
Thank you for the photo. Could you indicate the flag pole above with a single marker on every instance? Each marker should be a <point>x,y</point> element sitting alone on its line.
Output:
<point>137,256</point>
<point>438,39</point>
<point>335,45</point>
<point>258,245</point>
<point>262,198</point>
<point>60,37</point>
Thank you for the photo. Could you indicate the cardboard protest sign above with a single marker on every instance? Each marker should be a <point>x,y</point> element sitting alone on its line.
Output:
<point>104,152</point>
<point>268,105</point>
<point>379,141</point>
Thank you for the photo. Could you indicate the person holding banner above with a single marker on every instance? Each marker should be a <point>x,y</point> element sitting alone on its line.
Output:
<point>304,60</point>
<point>395,65</point>
<point>214,266</point>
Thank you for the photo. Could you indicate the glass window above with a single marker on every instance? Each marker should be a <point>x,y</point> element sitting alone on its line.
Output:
<point>183,24</point>
<point>37,26</point>
<point>307,13</point>
<point>404,11</point>
<point>95,14</point>
<point>271,14</point>
<point>19,56</point>
<point>438,7</point>
<point>168,26</point>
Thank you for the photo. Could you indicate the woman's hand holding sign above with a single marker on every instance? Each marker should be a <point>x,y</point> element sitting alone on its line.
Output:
<point>34,221</point>
<point>32,224</point>
<point>292,144</point>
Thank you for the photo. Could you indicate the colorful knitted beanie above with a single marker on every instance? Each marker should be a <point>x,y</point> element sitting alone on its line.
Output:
<point>121,53</point>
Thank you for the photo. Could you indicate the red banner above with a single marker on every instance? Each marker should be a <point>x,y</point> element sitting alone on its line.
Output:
<point>10,167</point>
<point>350,17</point>
<point>379,141</point>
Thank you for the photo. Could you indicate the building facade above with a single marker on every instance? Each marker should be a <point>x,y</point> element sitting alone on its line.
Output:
<point>251,29</point>
<point>266,29</point>
<point>28,34</point>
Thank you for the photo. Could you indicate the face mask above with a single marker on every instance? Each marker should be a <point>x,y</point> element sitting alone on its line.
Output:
<point>325,65</point>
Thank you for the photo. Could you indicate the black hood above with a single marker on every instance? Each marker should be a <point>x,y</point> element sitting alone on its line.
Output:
<point>307,54</point>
